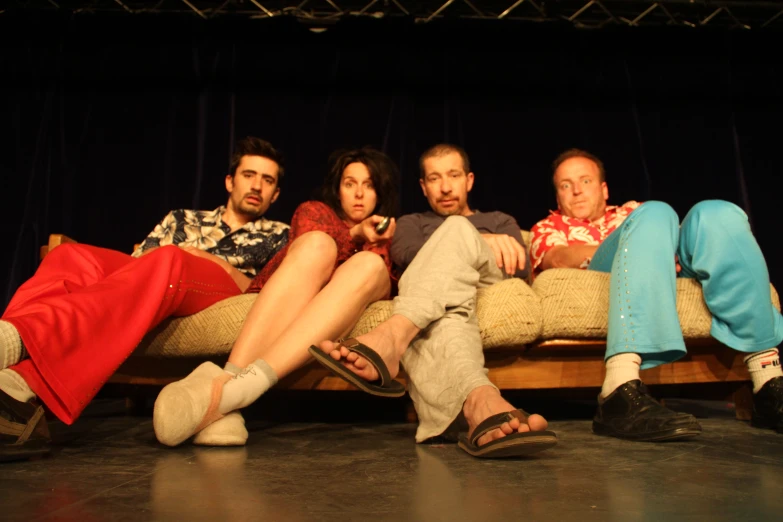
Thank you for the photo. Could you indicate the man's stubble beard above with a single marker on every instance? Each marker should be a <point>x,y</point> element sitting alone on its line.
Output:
<point>251,212</point>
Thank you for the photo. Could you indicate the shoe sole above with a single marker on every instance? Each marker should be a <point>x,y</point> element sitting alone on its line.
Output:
<point>512,448</point>
<point>757,422</point>
<point>658,436</point>
<point>26,451</point>
<point>228,431</point>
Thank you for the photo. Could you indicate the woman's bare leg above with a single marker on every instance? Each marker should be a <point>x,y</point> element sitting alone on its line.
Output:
<point>360,281</point>
<point>302,274</point>
<point>332,312</point>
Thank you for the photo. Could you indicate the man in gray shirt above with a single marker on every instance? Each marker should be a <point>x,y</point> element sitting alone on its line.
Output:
<point>447,254</point>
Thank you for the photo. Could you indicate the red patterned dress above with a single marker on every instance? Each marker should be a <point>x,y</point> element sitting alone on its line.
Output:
<point>560,230</point>
<point>315,215</point>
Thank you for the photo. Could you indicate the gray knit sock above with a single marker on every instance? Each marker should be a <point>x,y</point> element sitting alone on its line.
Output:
<point>247,386</point>
<point>11,348</point>
<point>13,384</point>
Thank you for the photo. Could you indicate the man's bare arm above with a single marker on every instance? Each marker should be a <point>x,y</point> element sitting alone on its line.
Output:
<point>568,256</point>
<point>573,256</point>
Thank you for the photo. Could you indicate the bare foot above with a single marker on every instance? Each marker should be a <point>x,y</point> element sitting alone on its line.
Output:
<point>486,401</point>
<point>389,339</point>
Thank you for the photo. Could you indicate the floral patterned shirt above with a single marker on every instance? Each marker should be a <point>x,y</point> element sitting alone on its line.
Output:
<point>560,230</point>
<point>247,248</point>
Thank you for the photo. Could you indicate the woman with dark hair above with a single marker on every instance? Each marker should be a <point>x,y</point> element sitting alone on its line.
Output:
<point>335,264</point>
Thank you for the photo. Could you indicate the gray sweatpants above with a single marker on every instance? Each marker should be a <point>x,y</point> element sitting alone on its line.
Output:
<point>437,292</point>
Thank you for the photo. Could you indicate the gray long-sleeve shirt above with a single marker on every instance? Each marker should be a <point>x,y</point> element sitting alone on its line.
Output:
<point>413,230</point>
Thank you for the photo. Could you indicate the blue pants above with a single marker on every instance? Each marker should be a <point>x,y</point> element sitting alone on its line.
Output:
<point>716,247</point>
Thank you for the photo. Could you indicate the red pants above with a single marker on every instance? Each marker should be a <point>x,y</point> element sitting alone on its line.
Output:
<point>86,309</point>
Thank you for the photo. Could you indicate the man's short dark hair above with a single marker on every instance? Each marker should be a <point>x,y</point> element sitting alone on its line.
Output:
<point>441,149</point>
<point>578,153</point>
<point>252,146</point>
<point>383,173</point>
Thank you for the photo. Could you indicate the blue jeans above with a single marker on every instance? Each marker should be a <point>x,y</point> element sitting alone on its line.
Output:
<point>716,247</point>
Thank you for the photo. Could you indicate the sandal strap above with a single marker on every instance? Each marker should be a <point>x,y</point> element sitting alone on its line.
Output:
<point>372,357</point>
<point>8,427</point>
<point>22,431</point>
<point>493,422</point>
<point>31,425</point>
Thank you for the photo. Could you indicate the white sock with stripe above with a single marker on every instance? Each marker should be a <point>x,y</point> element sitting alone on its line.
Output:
<point>763,366</point>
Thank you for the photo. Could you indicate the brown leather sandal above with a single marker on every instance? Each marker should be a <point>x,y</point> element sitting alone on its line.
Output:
<point>23,430</point>
<point>385,386</point>
<point>514,445</point>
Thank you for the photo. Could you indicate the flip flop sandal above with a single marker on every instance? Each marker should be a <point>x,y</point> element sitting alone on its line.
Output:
<point>385,386</point>
<point>514,445</point>
<point>24,433</point>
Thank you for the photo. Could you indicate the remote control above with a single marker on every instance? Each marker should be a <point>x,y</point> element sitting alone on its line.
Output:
<point>381,227</point>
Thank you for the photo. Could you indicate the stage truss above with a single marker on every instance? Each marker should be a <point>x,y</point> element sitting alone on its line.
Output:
<point>321,13</point>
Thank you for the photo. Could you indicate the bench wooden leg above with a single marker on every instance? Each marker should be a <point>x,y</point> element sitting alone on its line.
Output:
<point>410,413</point>
<point>743,402</point>
<point>136,404</point>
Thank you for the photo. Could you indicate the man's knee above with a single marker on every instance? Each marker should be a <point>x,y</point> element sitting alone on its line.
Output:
<point>168,251</point>
<point>656,212</point>
<point>167,255</point>
<point>72,253</point>
<point>456,222</point>
<point>455,227</point>
<point>718,212</point>
<point>65,251</point>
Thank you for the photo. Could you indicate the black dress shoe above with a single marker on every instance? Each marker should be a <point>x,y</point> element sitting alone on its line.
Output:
<point>23,429</point>
<point>631,413</point>
<point>768,405</point>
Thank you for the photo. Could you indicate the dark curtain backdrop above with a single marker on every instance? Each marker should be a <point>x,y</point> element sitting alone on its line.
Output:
<point>107,122</point>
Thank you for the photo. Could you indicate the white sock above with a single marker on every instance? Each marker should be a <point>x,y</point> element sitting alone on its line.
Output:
<point>13,384</point>
<point>763,366</point>
<point>247,386</point>
<point>11,348</point>
<point>231,368</point>
<point>620,369</point>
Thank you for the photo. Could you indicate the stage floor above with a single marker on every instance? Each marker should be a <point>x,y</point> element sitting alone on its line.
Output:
<point>109,467</point>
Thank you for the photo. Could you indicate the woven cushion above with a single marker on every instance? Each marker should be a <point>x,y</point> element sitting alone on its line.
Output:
<point>509,314</point>
<point>207,333</point>
<point>575,305</point>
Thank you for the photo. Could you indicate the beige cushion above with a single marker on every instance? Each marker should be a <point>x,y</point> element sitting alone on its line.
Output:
<point>207,333</point>
<point>575,304</point>
<point>509,314</point>
<point>526,237</point>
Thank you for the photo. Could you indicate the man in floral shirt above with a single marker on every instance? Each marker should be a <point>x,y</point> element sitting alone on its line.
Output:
<point>69,327</point>
<point>247,249</point>
<point>645,247</point>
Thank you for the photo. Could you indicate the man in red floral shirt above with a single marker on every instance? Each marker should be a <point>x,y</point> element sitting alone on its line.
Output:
<point>645,247</point>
